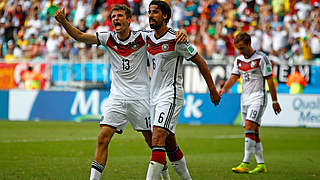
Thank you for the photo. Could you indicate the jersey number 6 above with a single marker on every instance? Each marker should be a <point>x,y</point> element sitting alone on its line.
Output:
<point>160,120</point>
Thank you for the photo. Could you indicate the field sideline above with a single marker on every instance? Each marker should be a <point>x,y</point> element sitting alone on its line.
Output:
<point>64,150</point>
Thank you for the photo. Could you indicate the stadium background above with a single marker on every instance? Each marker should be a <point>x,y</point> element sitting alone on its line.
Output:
<point>77,82</point>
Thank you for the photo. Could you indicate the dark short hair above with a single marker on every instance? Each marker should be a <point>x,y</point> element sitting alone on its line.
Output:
<point>164,7</point>
<point>242,36</point>
<point>121,7</point>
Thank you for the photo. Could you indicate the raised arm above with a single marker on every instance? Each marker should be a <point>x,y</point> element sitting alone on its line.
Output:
<point>230,82</point>
<point>72,31</point>
<point>204,70</point>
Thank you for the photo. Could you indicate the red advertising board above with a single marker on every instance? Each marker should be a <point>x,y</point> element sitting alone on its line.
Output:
<point>11,74</point>
<point>6,76</point>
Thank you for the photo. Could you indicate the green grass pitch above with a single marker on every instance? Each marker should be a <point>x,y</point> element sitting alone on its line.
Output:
<point>64,150</point>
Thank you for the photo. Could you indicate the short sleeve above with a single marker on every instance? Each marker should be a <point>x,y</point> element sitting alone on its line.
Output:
<point>235,69</point>
<point>186,50</point>
<point>102,37</point>
<point>266,67</point>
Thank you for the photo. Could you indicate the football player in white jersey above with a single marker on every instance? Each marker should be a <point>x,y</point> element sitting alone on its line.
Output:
<point>129,96</point>
<point>166,93</point>
<point>254,67</point>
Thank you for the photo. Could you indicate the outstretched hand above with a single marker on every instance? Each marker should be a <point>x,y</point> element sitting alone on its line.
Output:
<point>221,92</point>
<point>181,36</point>
<point>215,98</point>
<point>276,108</point>
<point>60,15</point>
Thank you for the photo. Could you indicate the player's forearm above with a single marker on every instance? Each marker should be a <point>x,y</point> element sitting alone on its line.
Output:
<point>77,34</point>
<point>204,70</point>
<point>272,89</point>
<point>230,82</point>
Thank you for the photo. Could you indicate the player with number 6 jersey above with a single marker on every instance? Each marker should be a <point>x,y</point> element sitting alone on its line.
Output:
<point>166,59</point>
<point>166,92</point>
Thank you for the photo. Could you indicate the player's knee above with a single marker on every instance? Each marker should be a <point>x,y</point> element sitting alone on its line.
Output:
<point>159,136</point>
<point>103,140</point>
<point>171,143</point>
<point>105,136</point>
<point>250,125</point>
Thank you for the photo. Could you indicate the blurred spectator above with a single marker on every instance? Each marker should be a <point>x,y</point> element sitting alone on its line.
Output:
<point>279,40</point>
<point>52,46</point>
<point>33,25</point>
<point>178,11</point>
<point>20,14</point>
<point>82,11</point>
<point>21,42</point>
<point>315,42</point>
<point>278,7</point>
<point>229,43</point>
<point>256,36</point>
<point>32,79</point>
<point>191,9</point>
<point>303,9</point>
<point>306,50</point>
<point>296,82</point>
<point>11,24</point>
<point>267,40</point>
<point>136,7</point>
<point>10,57</point>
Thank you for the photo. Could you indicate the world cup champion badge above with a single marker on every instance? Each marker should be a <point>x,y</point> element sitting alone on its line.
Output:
<point>165,47</point>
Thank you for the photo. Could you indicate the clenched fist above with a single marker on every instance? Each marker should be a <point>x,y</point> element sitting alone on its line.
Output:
<point>60,15</point>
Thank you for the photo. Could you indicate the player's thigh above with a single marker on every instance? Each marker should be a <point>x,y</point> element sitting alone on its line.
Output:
<point>139,114</point>
<point>254,113</point>
<point>114,115</point>
<point>165,115</point>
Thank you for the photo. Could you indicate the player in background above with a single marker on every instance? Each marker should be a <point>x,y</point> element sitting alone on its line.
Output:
<point>254,67</point>
<point>166,93</point>
<point>129,96</point>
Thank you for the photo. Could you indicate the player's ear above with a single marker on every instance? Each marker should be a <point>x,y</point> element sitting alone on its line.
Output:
<point>165,16</point>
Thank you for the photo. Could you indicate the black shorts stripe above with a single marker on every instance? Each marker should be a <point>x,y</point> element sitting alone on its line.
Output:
<point>168,116</point>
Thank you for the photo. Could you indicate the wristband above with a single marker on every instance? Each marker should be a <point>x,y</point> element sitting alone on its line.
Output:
<point>273,102</point>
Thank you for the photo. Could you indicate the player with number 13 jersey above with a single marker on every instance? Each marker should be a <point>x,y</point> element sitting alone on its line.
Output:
<point>128,61</point>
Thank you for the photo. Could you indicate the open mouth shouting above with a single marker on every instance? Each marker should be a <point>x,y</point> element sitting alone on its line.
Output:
<point>117,25</point>
<point>152,21</point>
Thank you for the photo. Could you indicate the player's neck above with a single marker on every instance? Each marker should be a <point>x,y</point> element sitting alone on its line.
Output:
<point>161,31</point>
<point>250,53</point>
<point>124,35</point>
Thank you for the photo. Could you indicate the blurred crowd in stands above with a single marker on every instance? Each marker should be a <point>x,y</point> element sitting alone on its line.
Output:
<point>286,30</point>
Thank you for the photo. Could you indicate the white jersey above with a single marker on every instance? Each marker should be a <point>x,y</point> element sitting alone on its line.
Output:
<point>128,59</point>
<point>165,57</point>
<point>253,71</point>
